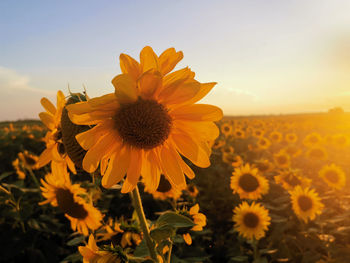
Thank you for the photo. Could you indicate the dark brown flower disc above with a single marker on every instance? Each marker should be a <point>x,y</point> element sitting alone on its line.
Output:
<point>69,130</point>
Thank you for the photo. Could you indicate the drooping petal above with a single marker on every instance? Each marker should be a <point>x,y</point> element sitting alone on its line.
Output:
<point>205,88</point>
<point>134,171</point>
<point>61,101</point>
<point>205,130</point>
<point>197,112</point>
<point>91,118</point>
<point>187,170</point>
<point>148,59</point>
<point>117,167</point>
<point>168,60</point>
<point>130,66</point>
<point>44,158</point>
<point>125,88</point>
<point>48,106</point>
<point>79,107</point>
<point>150,171</point>
<point>171,167</point>
<point>184,73</point>
<point>149,82</point>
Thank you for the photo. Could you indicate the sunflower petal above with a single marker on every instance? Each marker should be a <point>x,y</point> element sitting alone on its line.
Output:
<point>125,88</point>
<point>197,112</point>
<point>48,106</point>
<point>150,171</point>
<point>205,88</point>
<point>130,66</point>
<point>48,120</point>
<point>134,171</point>
<point>149,59</point>
<point>168,60</point>
<point>149,82</point>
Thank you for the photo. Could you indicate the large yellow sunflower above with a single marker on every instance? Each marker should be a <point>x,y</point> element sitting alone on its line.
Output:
<point>55,150</point>
<point>248,183</point>
<point>333,175</point>
<point>150,119</point>
<point>251,221</point>
<point>306,203</point>
<point>59,191</point>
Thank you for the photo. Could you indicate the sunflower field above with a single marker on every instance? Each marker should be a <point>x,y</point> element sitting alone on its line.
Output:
<point>149,174</point>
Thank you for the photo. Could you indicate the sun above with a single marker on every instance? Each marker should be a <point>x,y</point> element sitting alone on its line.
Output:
<point>306,203</point>
<point>148,123</point>
<point>251,221</point>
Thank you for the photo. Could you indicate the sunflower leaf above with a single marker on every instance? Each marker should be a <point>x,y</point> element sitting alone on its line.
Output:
<point>163,232</point>
<point>174,220</point>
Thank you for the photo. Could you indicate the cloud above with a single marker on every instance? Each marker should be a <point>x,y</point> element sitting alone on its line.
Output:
<point>11,81</point>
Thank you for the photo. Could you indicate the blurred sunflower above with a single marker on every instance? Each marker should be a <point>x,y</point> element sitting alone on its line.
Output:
<point>199,219</point>
<point>236,161</point>
<point>19,169</point>
<point>290,179</point>
<point>91,253</point>
<point>263,143</point>
<point>251,221</point>
<point>333,175</point>
<point>292,150</point>
<point>226,129</point>
<point>59,191</point>
<point>317,153</point>
<point>227,149</point>
<point>192,190</point>
<point>340,140</point>
<point>164,190</point>
<point>24,161</point>
<point>306,203</point>
<point>312,139</point>
<point>282,159</point>
<point>239,133</point>
<point>258,133</point>
<point>147,123</point>
<point>218,144</point>
<point>291,137</point>
<point>55,151</point>
<point>275,136</point>
<point>247,182</point>
<point>263,165</point>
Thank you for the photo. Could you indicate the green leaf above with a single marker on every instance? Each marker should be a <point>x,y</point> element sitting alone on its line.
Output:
<point>240,258</point>
<point>75,241</point>
<point>162,232</point>
<point>141,250</point>
<point>175,220</point>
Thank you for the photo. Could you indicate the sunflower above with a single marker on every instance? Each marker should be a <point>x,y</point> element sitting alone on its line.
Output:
<point>258,133</point>
<point>333,175</point>
<point>147,123</point>
<point>226,129</point>
<point>247,182</point>
<point>312,139</point>
<point>91,253</point>
<point>290,179</point>
<point>236,161</point>
<point>59,191</point>
<point>275,136</point>
<point>263,143</point>
<point>218,144</point>
<point>263,165</point>
<point>239,133</point>
<point>29,161</point>
<point>317,153</point>
<point>292,150</point>
<point>340,140</point>
<point>251,221</point>
<point>291,137</point>
<point>55,150</point>
<point>192,190</point>
<point>164,190</point>
<point>19,169</point>
<point>227,149</point>
<point>306,203</point>
<point>199,219</point>
<point>282,159</point>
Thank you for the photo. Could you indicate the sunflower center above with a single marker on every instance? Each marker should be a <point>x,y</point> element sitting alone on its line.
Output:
<point>332,176</point>
<point>65,201</point>
<point>305,203</point>
<point>263,142</point>
<point>251,220</point>
<point>281,159</point>
<point>144,124</point>
<point>164,185</point>
<point>248,182</point>
<point>292,180</point>
<point>226,129</point>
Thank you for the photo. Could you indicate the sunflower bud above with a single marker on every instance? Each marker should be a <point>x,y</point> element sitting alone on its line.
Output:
<point>69,130</point>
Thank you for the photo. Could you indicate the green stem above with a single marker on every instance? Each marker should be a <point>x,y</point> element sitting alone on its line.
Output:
<point>34,178</point>
<point>169,253</point>
<point>256,251</point>
<point>142,218</point>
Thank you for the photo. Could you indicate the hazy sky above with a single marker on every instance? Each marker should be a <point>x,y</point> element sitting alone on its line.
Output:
<point>267,56</point>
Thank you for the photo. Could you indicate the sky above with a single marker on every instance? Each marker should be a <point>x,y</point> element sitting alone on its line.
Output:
<point>268,57</point>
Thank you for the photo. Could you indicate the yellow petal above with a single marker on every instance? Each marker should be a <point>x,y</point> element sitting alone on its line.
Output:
<point>187,170</point>
<point>105,102</point>
<point>181,93</point>
<point>205,130</point>
<point>79,107</point>
<point>61,101</point>
<point>44,158</point>
<point>148,59</point>
<point>187,238</point>
<point>184,73</point>
<point>197,112</point>
<point>150,171</point>
<point>130,66</point>
<point>91,118</point>
<point>171,167</point>
<point>117,168</point>
<point>48,120</point>
<point>168,60</point>
<point>48,106</point>
<point>205,88</point>
<point>134,171</point>
<point>149,82</point>
<point>125,88</point>
<point>194,209</point>
<point>96,152</point>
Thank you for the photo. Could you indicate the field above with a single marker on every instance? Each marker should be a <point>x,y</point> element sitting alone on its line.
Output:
<point>296,167</point>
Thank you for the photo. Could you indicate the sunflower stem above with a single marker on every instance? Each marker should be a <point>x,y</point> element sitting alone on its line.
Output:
<point>142,218</point>
<point>169,253</point>
<point>256,251</point>
<point>34,178</point>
